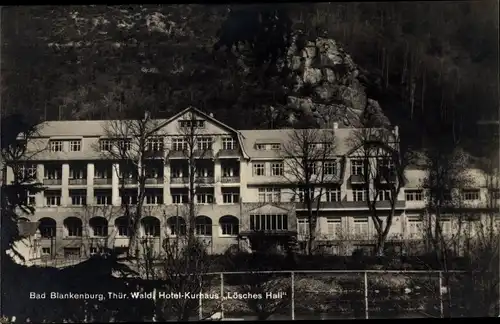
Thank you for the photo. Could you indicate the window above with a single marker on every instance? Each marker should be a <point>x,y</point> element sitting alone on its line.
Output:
<point>154,197</point>
<point>303,227</point>
<point>228,172</point>
<point>312,146</point>
<point>413,195</point>
<point>151,227</point>
<point>446,224</point>
<point>277,169</point>
<point>45,251</point>
<point>330,168</point>
<point>153,172</point>
<point>27,172</point>
<point>260,147</point>
<point>269,194</point>
<point>205,198</point>
<point>75,145</point>
<point>52,173</point>
<point>359,194</point>
<point>129,198</point>
<point>122,227</point>
<point>333,194</point>
<point>154,144</point>
<point>302,194</point>
<point>180,198</point>
<point>357,167</point>
<point>203,226</point>
<point>414,225</point>
<point>312,168</point>
<point>105,145</point>
<point>78,198</point>
<point>230,197</point>
<point>259,169</point>
<point>123,145</point>
<point>77,173</point>
<point>204,143</point>
<point>203,172</point>
<point>276,147</point>
<point>179,144</point>
<point>334,227</point>
<point>228,143</point>
<point>470,194</point>
<point>52,198</point>
<point>72,253</point>
<point>229,225</point>
<point>195,123</point>
<point>103,198</point>
<point>385,167</point>
<point>31,199</point>
<point>74,228</point>
<point>360,225</point>
<point>269,222</point>
<point>494,193</point>
<point>176,173</point>
<point>56,146</point>
<point>384,195</point>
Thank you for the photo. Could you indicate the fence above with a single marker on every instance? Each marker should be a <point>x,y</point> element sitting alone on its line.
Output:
<point>334,294</point>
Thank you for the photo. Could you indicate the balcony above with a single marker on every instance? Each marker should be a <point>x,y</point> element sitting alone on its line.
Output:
<point>228,153</point>
<point>230,179</point>
<point>128,181</point>
<point>154,181</point>
<point>102,181</point>
<point>390,178</point>
<point>357,179</point>
<point>180,180</point>
<point>52,182</point>
<point>204,180</point>
<point>154,154</point>
<point>77,182</point>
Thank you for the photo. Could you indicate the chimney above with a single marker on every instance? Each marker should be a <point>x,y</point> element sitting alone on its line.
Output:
<point>396,131</point>
<point>335,125</point>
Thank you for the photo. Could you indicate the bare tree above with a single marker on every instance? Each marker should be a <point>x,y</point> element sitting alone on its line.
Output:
<point>309,166</point>
<point>194,145</point>
<point>447,172</point>
<point>383,175</point>
<point>180,267</point>
<point>131,143</point>
<point>18,148</point>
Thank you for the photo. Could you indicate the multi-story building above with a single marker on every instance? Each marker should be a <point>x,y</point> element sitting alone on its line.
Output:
<point>244,185</point>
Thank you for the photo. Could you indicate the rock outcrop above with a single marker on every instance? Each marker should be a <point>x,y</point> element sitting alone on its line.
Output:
<point>326,85</point>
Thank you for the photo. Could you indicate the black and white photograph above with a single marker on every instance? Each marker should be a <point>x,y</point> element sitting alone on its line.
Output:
<point>250,162</point>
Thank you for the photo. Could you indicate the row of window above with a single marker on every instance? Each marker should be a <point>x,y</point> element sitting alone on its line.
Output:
<point>361,226</point>
<point>277,168</point>
<point>150,226</point>
<point>53,198</point>
<point>153,144</point>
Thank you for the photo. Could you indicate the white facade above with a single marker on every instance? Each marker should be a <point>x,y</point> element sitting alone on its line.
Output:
<point>240,174</point>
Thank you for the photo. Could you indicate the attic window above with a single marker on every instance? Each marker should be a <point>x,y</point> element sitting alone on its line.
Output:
<point>198,123</point>
<point>260,147</point>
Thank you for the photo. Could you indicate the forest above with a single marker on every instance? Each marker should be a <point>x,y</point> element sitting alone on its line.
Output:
<point>433,67</point>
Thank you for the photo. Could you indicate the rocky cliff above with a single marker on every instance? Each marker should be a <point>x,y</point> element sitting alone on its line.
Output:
<point>327,85</point>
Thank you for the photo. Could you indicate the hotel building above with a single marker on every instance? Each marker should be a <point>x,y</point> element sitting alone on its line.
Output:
<point>243,186</point>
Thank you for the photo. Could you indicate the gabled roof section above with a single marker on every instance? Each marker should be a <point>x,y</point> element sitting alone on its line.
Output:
<point>357,138</point>
<point>283,136</point>
<point>201,113</point>
<point>268,209</point>
<point>241,138</point>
